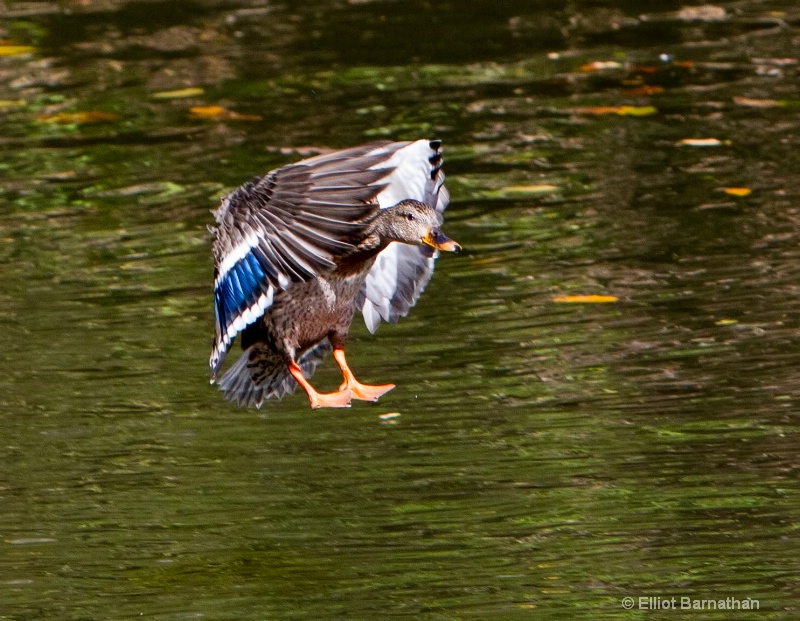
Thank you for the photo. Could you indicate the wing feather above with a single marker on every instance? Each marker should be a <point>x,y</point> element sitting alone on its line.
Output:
<point>401,272</point>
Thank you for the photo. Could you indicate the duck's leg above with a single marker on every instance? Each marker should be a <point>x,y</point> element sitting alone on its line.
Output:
<point>364,392</point>
<point>340,399</point>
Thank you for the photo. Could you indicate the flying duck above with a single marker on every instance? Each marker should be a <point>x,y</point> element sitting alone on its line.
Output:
<point>299,250</point>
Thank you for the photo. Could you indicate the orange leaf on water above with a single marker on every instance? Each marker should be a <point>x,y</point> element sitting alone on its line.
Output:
<point>586,299</point>
<point>77,118</point>
<point>644,90</point>
<point>218,112</point>
<point>737,191</point>
<point>207,112</point>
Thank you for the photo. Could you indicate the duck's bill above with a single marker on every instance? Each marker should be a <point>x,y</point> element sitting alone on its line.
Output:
<point>440,241</point>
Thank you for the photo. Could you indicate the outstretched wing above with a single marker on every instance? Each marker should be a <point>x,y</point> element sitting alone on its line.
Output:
<point>289,226</point>
<point>401,272</point>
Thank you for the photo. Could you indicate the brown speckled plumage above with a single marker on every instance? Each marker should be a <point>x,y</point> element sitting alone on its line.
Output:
<point>300,250</point>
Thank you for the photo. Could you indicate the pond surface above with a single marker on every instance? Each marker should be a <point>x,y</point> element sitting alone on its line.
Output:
<point>545,455</point>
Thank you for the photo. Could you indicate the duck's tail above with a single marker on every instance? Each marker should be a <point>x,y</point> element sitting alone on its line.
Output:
<point>261,374</point>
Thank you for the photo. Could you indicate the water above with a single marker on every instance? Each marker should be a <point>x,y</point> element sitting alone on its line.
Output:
<point>538,459</point>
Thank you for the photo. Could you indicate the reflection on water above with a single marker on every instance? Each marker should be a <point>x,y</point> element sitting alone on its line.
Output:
<point>540,459</point>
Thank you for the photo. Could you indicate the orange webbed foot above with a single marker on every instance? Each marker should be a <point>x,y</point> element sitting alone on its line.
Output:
<point>366,392</point>
<point>363,392</point>
<point>340,399</point>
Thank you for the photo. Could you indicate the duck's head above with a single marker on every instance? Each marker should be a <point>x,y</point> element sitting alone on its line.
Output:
<point>414,222</point>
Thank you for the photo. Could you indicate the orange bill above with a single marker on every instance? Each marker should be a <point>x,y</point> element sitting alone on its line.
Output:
<point>436,239</point>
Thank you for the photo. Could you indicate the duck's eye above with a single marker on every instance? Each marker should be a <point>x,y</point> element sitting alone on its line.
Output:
<point>410,217</point>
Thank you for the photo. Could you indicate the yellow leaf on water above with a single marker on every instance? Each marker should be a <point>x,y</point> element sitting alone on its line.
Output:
<point>218,112</point>
<point>725,322</point>
<point>15,50</point>
<point>77,118</point>
<point>586,299</point>
<point>178,94</point>
<point>619,110</point>
<point>700,142</point>
<point>530,189</point>
<point>737,191</point>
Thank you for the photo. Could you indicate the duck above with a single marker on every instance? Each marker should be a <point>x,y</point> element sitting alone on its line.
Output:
<point>298,251</point>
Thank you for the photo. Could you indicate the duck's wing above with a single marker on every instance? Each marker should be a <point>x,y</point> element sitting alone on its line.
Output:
<point>401,272</point>
<point>289,226</point>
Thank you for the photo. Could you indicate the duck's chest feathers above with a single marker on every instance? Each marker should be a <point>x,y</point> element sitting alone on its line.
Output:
<point>328,292</point>
<point>309,311</point>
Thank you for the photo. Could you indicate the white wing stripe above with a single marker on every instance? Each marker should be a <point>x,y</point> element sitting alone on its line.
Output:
<point>237,253</point>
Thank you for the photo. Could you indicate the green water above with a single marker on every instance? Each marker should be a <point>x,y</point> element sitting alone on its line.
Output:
<point>540,460</point>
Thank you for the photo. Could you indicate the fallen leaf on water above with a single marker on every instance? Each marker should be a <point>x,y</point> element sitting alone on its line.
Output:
<point>218,112</point>
<point>390,418</point>
<point>178,94</point>
<point>700,142</point>
<point>208,112</point>
<point>737,191</point>
<point>725,322</point>
<point>29,540</point>
<point>529,189</point>
<point>77,118</point>
<point>644,90</point>
<point>620,110</point>
<point>600,65</point>
<point>15,50</point>
<point>758,103</point>
<point>586,299</point>
<point>703,13</point>
<point>781,62</point>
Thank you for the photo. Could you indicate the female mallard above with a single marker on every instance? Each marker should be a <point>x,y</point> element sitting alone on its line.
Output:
<point>297,251</point>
